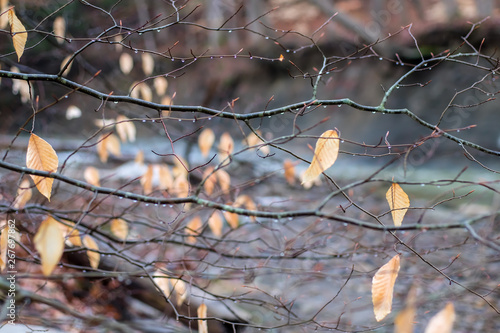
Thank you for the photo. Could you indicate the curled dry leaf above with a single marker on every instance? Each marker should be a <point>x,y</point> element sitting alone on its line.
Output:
<point>193,228</point>
<point>226,146</point>
<point>325,154</point>
<point>206,141</point>
<point>289,168</point>
<point>41,156</point>
<point>126,63</point>
<point>70,234</point>
<point>94,257</point>
<point>59,28</point>
<point>125,129</point>
<point>91,176</point>
<point>49,242</point>
<point>148,63</point>
<point>160,84</point>
<point>24,193</point>
<point>398,202</point>
<point>73,112</point>
<point>202,313</point>
<point>442,322</point>
<point>383,286</point>
<point>215,224</point>
<point>119,228</point>
<point>19,34</point>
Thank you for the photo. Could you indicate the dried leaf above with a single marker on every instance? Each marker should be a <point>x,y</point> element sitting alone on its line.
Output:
<point>49,242</point>
<point>325,154</point>
<point>442,322</point>
<point>145,92</point>
<point>206,141</point>
<point>165,177</point>
<point>91,176</point>
<point>382,287</point>
<point>24,193</point>
<point>180,168</point>
<point>126,63</point>
<point>181,187</point>
<point>59,28</point>
<point>125,129</point>
<point>108,144</point>
<point>193,228</point>
<point>94,257</point>
<point>64,62</point>
<point>226,146</point>
<point>253,140</point>
<point>148,63</point>
<point>215,224</point>
<point>19,34</point>
<point>210,180</point>
<point>224,180</point>
<point>202,313</point>
<point>403,323</point>
<point>70,234</point>
<point>41,156</point>
<point>232,219</point>
<point>4,19</point>
<point>73,112</point>
<point>398,202</point>
<point>147,180</point>
<point>160,84</point>
<point>289,168</point>
<point>247,202</point>
<point>163,282</point>
<point>119,228</point>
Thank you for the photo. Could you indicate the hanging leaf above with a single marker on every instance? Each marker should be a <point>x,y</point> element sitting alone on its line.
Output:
<point>147,180</point>
<point>226,146</point>
<point>41,156</point>
<point>398,202</point>
<point>165,177</point>
<point>247,202</point>
<point>23,194</point>
<point>253,140</point>
<point>206,141</point>
<point>404,321</point>
<point>232,219</point>
<point>382,287</point>
<point>49,242</point>
<point>145,91</point>
<point>91,176</point>
<point>108,144</point>
<point>73,112</point>
<point>94,257</point>
<point>125,129</point>
<point>289,168</point>
<point>64,62</point>
<point>59,29</point>
<point>119,228</point>
<point>215,224</point>
<point>224,180</point>
<point>325,154</point>
<point>160,84</point>
<point>193,228</point>
<point>210,180</point>
<point>70,234</point>
<point>19,34</point>
<point>181,187</point>
<point>202,313</point>
<point>148,63</point>
<point>180,168</point>
<point>442,322</point>
<point>126,63</point>
<point>163,282</point>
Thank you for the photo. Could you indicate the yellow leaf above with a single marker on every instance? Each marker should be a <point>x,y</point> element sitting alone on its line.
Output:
<point>382,287</point>
<point>91,176</point>
<point>224,180</point>
<point>119,228</point>
<point>210,180</point>
<point>160,84</point>
<point>108,144</point>
<point>19,34</point>
<point>23,194</point>
<point>232,219</point>
<point>289,168</point>
<point>94,257</point>
<point>125,129</point>
<point>325,154</point>
<point>163,282</point>
<point>215,224</point>
<point>253,140</point>
<point>205,141</point>
<point>73,112</point>
<point>49,242</point>
<point>181,187</point>
<point>70,233</point>
<point>148,63</point>
<point>226,146</point>
<point>202,313</point>
<point>126,63</point>
<point>442,322</point>
<point>147,180</point>
<point>166,180</point>
<point>398,202</point>
<point>63,63</point>
<point>59,29</point>
<point>41,156</point>
<point>403,323</point>
<point>193,228</point>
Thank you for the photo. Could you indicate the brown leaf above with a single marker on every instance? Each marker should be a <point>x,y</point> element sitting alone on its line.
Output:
<point>19,34</point>
<point>119,228</point>
<point>147,180</point>
<point>215,224</point>
<point>108,144</point>
<point>148,63</point>
<point>202,313</point>
<point>226,146</point>
<point>41,156</point>
<point>382,287</point>
<point>70,233</point>
<point>94,257</point>
<point>325,154</point>
<point>49,242</point>
<point>442,322</point>
<point>181,187</point>
<point>210,180</point>
<point>224,180</point>
<point>398,202</point>
<point>253,140</point>
<point>232,219</point>
<point>404,321</point>
<point>23,194</point>
<point>59,28</point>
<point>91,176</point>
<point>193,228</point>
<point>126,63</point>
<point>125,129</point>
<point>206,141</point>
<point>289,168</point>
